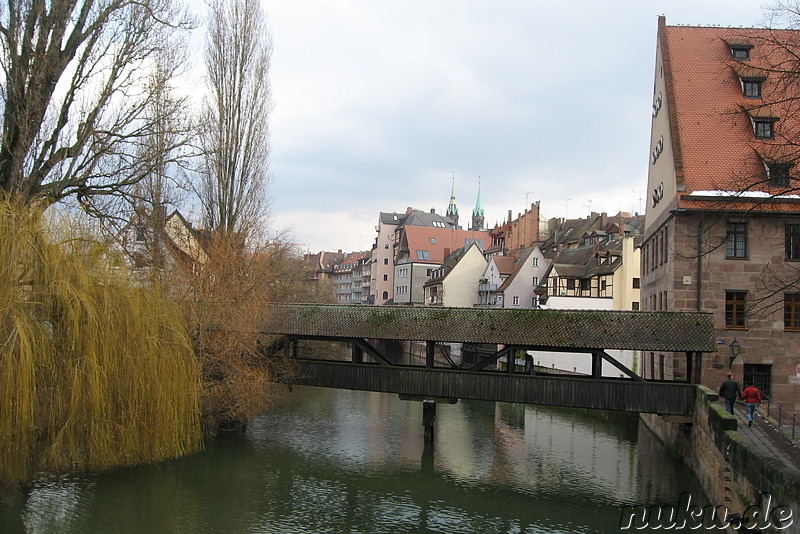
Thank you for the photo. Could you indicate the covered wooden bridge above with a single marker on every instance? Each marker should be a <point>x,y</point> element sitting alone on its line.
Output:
<point>589,332</point>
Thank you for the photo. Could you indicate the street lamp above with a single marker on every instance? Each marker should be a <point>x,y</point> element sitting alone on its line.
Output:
<point>735,348</point>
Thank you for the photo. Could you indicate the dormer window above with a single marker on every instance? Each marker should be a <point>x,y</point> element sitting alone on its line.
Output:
<point>763,120</point>
<point>777,173</point>
<point>764,128</point>
<point>751,87</point>
<point>740,49</point>
<point>740,53</point>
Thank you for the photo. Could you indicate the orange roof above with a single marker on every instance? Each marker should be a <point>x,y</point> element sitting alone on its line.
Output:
<point>505,264</point>
<point>437,241</point>
<point>715,146</point>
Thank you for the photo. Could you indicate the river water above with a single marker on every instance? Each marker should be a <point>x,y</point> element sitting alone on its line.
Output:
<point>339,461</point>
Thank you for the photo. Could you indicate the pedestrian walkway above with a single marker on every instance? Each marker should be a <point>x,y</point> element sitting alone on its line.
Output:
<point>767,438</point>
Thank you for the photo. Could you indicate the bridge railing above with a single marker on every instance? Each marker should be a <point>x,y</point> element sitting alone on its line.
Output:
<point>781,416</point>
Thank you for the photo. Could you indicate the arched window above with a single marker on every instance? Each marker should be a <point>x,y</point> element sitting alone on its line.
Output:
<point>385,295</point>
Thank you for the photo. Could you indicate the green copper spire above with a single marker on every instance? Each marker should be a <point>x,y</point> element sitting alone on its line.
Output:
<point>478,211</point>
<point>452,209</point>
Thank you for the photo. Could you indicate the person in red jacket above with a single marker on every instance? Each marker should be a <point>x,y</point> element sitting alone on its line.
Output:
<point>752,398</point>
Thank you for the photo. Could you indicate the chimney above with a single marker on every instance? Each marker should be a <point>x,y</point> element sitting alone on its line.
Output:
<point>433,210</point>
<point>409,210</point>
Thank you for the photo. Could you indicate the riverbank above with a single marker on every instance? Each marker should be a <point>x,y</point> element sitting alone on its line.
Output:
<point>735,468</point>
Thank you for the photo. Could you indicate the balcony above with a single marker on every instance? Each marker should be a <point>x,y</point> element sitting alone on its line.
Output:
<point>487,288</point>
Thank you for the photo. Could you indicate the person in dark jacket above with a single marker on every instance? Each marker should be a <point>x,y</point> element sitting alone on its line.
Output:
<point>730,391</point>
<point>752,398</point>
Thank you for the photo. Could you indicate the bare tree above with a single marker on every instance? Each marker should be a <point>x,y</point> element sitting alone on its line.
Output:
<point>235,138</point>
<point>163,149</point>
<point>74,93</point>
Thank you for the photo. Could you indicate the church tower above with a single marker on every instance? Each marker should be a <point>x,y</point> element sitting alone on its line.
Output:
<point>477,213</point>
<point>452,209</point>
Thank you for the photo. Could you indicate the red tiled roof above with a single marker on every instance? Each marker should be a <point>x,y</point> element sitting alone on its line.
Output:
<point>505,264</point>
<point>446,240</point>
<point>715,146</point>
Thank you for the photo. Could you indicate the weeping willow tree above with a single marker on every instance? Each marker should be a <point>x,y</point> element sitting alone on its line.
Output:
<point>95,371</point>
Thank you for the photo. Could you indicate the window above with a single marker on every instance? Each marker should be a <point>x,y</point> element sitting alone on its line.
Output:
<point>751,88</point>
<point>571,284</point>
<point>515,301</point>
<point>423,255</point>
<point>735,309</point>
<point>778,174</point>
<point>741,52</point>
<point>386,261</point>
<point>636,283</point>
<point>586,284</point>
<point>760,375</point>
<point>793,241</point>
<point>433,240</point>
<point>764,129</point>
<point>385,295</point>
<point>385,277</point>
<point>535,262</point>
<point>736,246</point>
<point>386,245</point>
<point>535,281</point>
<point>635,306</point>
<point>791,311</point>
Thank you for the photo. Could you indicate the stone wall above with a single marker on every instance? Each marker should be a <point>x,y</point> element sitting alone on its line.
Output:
<point>732,472</point>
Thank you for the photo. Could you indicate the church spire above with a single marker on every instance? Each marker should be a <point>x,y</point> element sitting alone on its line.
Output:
<point>477,213</point>
<point>452,209</point>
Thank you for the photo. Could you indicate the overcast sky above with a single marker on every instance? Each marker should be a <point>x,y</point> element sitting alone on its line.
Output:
<point>378,103</point>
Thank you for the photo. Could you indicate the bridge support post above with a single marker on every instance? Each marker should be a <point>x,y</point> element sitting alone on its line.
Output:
<point>430,347</point>
<point>511,360</point>
<point>357,352</point>
<point>597,365</point>
<point>428,418</point>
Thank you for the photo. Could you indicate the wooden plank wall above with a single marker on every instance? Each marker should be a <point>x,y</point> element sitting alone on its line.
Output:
<point>624,395</point>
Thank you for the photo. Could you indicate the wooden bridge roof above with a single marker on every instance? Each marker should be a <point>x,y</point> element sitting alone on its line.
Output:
<point>568,329</point>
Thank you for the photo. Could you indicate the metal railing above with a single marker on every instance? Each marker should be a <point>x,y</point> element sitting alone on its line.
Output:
<point>781,415</point>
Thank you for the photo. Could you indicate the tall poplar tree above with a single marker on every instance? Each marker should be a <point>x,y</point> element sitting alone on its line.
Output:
<point>234,177</point>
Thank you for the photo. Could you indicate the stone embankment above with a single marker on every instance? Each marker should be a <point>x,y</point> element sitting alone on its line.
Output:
<point>735,463</point>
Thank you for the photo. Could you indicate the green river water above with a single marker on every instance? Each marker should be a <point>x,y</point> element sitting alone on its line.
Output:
<point>339,461</point>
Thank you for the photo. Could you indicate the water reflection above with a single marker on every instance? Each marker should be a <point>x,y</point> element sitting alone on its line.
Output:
<point>342,461</point>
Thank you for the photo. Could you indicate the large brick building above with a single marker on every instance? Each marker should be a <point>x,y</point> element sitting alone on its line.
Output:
<point>722,228</point>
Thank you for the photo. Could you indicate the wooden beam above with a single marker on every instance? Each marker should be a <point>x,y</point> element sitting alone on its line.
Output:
<point>369,349</point>
<point>613,361</point>
<point>357,353</point>
<point>440,400</point>
<point>511,360</point>
<point>430,347</point>
<point>597,365</point>
<point>491,359</point>
<point>663,398</point>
